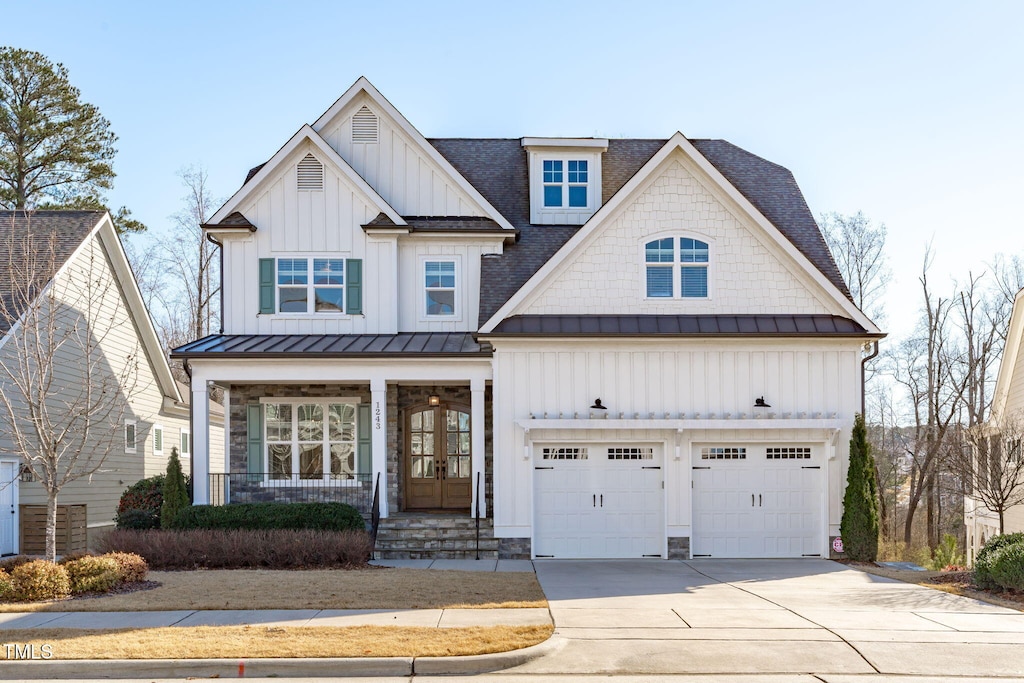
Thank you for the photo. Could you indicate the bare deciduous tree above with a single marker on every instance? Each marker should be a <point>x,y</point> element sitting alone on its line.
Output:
<point>858,247</point>
<point>61,398</point>
<point>990,464</point>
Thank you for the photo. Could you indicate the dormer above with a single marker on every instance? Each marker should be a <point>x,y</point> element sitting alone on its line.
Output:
<point>565,179</point>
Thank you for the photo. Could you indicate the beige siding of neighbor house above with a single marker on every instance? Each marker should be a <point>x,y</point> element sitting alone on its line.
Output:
<point>140,399</point>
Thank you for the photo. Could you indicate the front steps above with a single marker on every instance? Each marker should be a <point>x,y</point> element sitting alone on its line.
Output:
<point>431,536</point>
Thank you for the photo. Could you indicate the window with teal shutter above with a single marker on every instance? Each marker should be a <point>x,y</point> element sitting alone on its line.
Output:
<point>254,443</point>
<point>266,285</point>
<point>354,286</point>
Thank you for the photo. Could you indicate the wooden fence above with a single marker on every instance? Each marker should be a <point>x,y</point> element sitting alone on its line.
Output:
<point>71,529</point>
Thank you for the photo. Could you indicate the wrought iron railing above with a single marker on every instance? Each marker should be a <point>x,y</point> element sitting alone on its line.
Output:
<point>262,487</point>
<point>476,513</point>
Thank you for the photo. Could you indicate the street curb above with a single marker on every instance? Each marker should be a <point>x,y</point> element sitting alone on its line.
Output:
<point>271,668</point>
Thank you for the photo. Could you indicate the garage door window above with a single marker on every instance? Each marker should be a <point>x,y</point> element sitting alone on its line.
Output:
<point>790,453</point>
<point>631,454</point>
<point>564,454</point>
<point>723,453</point>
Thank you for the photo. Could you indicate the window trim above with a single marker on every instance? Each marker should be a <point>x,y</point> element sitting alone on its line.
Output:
<point>422,288</point>
<point>296,479</point>
<point>677,265</point>
<point>134,447</point>
<point>311,287</point>
<point>158,429</point>
<point>565,183</point>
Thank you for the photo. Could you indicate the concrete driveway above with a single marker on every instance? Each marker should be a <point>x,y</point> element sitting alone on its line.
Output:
<point>767,616</point>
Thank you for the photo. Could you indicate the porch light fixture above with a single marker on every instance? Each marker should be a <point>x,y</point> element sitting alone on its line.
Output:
<point>597,405</point>
<point>759,403</point>
<point>434,400</point>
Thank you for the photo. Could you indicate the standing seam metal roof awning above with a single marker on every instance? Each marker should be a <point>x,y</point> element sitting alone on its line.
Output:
<point>402,345</point>
<point>680,325</point>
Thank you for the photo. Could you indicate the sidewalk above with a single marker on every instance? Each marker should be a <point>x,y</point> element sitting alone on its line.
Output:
<point>438,618</point>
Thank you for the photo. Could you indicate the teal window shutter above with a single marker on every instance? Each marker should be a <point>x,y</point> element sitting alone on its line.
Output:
<point>364,445</point>
<point>266,285</point>
<point>254,443</point>
<point>354,285</point>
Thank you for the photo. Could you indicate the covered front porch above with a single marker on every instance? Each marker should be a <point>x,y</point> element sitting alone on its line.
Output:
<point>399,424</point>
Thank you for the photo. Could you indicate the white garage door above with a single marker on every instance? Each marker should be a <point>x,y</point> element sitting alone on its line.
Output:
<point>757,501</point>
<point>598,501</point>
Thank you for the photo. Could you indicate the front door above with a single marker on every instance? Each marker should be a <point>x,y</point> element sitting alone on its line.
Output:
<point>8,507</point>
<point>438,460</point>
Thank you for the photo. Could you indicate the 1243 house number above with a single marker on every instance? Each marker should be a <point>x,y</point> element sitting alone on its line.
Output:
<point>377,412</point>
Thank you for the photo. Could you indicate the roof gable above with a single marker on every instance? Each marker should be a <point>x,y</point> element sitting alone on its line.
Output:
<point>269,170</point>
<point>459,197</point>
<point>678,144</point>
<point>74,231</point>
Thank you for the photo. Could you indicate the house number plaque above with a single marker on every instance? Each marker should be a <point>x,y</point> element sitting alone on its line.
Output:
<point>376,416</point>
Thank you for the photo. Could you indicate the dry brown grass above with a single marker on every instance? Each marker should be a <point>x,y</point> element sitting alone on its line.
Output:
<point>312,589</point>
<point>239,642</point>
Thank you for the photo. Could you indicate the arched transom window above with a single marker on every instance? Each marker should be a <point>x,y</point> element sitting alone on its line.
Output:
<point>677,267</point>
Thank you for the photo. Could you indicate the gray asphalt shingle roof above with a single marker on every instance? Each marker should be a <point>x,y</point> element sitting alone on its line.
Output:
<point>25,240</point>
<point>498,169</point>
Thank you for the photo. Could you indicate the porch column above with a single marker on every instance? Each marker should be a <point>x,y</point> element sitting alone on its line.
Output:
<point>479,427</point>
<point>200,442</point>
<point>379,425</point>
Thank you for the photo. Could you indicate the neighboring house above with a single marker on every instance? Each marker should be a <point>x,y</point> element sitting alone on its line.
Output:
<point>605,348</point>
<point>1006,420</point>
<point>154,416</point>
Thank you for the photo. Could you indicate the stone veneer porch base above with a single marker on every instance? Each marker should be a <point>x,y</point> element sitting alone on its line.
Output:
<point>419,536</point>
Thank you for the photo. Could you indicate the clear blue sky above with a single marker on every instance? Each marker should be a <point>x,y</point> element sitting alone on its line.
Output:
<point>909,111</point>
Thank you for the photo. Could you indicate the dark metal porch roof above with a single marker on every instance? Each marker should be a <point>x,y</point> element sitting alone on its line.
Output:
<point>366,346</point>
<point>679,325</point>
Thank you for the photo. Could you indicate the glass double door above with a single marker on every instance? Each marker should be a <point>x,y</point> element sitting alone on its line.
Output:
<point>438,458</point>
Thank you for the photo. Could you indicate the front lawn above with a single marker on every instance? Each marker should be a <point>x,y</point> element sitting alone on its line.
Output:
<point>373,588</point>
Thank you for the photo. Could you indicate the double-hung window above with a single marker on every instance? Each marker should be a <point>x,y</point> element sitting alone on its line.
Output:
<point>306,282</point>
<point>310,440</point>
<point>439,286</point>
<point>565,183</point>
<point>677,267</point>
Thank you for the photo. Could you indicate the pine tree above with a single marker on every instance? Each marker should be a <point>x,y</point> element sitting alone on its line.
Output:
<point>859,526</point>
<point>175,493</point>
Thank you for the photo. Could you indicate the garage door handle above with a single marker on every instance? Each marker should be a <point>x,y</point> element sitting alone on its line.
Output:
<point>602,500</point>
<point>759,503</point>
<point>751,500</point>
<point>595,500</point>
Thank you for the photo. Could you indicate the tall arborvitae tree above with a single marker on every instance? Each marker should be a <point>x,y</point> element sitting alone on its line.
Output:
<point>859,527</point>
<point>175,492</point>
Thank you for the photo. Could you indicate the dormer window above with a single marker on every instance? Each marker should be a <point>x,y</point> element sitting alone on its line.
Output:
<point>565,179</point>
<point>563,188</point>
<point>677,267</point>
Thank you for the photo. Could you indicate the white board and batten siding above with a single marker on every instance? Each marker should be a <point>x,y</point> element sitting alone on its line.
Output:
<point>466,253</point>
<point>294,223</point>
<point>645,378</point>
<point>395,165</point>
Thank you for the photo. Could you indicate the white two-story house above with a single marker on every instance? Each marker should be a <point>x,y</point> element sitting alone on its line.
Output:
<point>604,348</point>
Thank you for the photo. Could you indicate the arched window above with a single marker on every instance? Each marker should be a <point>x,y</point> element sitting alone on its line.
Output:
<point>677,267</point>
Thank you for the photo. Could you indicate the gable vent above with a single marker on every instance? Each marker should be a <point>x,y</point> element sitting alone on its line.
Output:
<point>365,126</point>
<point>311,173</point>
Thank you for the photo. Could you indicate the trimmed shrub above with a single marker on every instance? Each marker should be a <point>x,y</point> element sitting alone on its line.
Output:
<point>236,549</point>
<point>93,574</point>
<point>859,524</point>
<point>140,503</point>
<point>6,586</point>
<point>9,564</point>
<point>1006,566</point>
<point>322,516</point>
<point>947,554</point>
<point>40,580</point>
<point>175,494</point>
<point>983,562</point>
<point>133,567</point>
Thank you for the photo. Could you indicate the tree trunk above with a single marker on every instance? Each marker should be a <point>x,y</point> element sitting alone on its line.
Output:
<point>929,494</point>
<point>51,525</point>
<point>883,507</point>
<point>1002,528</point>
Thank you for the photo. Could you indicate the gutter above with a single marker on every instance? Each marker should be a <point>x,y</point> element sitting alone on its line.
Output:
<point>863,380</point>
